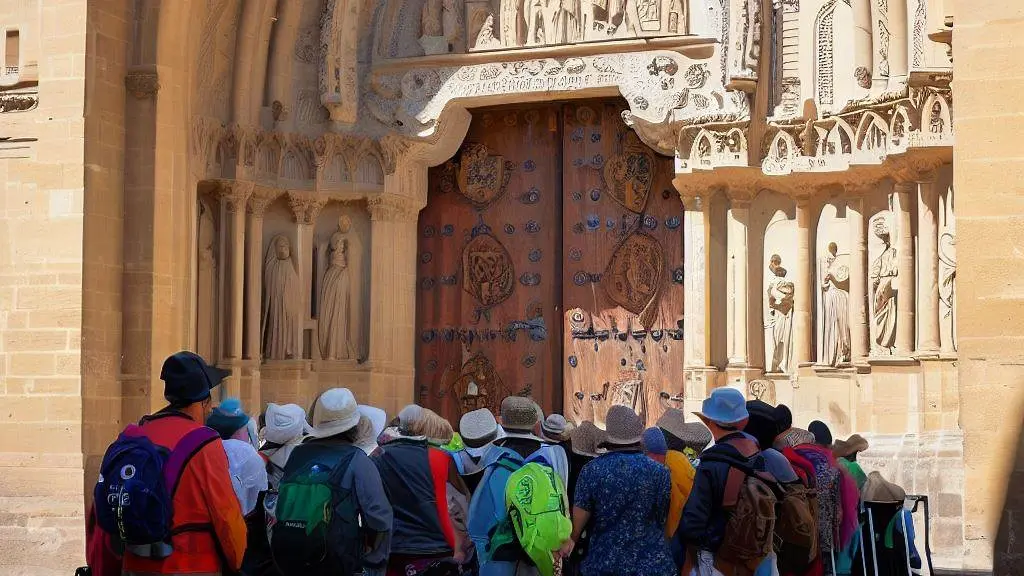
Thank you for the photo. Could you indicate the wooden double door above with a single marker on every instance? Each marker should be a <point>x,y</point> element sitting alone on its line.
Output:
<point>550,264</point>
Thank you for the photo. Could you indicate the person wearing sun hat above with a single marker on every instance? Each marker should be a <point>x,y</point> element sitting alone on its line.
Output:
<point>621,499</point>
<point>690,438</point>
<point>334,418</point>
<point>205,494</point>
<point>428,495</point>
<point>702,526</point>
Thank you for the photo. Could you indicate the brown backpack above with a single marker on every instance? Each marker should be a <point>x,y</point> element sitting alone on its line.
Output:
<point>750,500</point>
<point>797,528</point>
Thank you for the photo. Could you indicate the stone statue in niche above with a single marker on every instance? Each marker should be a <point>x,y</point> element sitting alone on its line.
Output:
<point>936,123</point>
<point>835,297</point>
<point>335,313</point>
<point>441,26</point>
<point>281,302</point>
<point>883,290</point>
<point>780,316</point>
<point>546,22</point>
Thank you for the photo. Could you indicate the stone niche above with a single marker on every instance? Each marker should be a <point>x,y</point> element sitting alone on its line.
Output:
<point>883,283</point>
<point>208,261</point>
<point>285,333</point>
<point>776,261</point>
<point>832,287</point>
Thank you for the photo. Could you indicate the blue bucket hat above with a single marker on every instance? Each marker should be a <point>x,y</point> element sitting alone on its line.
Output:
<point>725,406</point>
<point>188,378</point>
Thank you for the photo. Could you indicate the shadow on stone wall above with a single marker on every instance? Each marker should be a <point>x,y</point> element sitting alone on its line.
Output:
<point>1009,545</point>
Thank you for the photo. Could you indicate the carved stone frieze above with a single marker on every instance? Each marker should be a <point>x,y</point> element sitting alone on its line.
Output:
<point>658,85</point>
<point>18,101</point>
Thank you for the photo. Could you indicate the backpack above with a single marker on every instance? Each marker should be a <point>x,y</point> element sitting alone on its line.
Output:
<point>489,527</point>
<point>826,480</point>
<point>537,508</point>
<point>751,497</point>
<point>796,529</point>
<point>312,524</point>
<point>134,494</point>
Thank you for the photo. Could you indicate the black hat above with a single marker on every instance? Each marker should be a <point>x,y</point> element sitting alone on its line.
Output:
<point>762,424</point>
<point>822,435</point>
<point>188,378</point>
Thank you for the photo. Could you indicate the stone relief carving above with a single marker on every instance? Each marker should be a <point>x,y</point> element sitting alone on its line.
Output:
<point>884,290</point>
<point>658,85</point>
<point>336,317</point>
<point>779,319</point>
<point>441,26</point>
<point>519,23</point>
<point>142,84</point>
<point>835,308</point>
<point>338,58</point>
<point>281,302</point>
<point>947,272</point>
<point>18,101</point>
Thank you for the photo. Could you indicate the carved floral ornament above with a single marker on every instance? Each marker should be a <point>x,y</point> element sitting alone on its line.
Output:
<point>393,208</point>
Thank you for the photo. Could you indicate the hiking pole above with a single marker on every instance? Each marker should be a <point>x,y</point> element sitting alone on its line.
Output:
<point>906,537</point>
<point>874,551</point>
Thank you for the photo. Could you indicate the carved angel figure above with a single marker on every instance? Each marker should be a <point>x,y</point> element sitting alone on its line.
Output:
<point>281,307</point>
<point>835,297</point>
<point>334,324</point>
<point>884,271</point>
<point>780,316</point>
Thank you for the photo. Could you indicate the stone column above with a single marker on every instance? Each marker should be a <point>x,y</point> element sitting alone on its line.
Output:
<point>859,331</point>
<point>695,256</point>
<point>739,219</point>
<point>306,206</point>
<point>803,278</point>
<point>261,198</point>
<point>928,262</point>
<point>235,196</point>
<point>393,218</point>
<point>905,297</point>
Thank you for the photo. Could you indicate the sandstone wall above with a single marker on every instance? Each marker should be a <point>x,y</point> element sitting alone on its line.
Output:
<point>989,168</point>
<point>41,302</point>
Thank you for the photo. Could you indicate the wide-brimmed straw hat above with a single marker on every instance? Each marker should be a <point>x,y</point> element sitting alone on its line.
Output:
<point>794,437</point>
<point>878,489</point>
<point>586,438</point>
<point>519,414</point>
<point>850,446</point>
<point>692,435</point>
<point>624,427</point>
<point>334,412</point>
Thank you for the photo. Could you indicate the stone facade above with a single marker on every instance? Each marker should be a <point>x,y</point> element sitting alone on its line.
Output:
<point>244,178</point>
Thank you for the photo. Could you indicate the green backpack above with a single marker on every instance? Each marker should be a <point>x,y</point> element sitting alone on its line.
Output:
<point>537,513</point>
<point>312,524</point>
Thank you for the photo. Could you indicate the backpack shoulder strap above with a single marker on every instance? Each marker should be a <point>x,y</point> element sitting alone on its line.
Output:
<point>183,451</point>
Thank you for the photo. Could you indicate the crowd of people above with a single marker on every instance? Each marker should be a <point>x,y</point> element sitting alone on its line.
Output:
<point>198,489</point>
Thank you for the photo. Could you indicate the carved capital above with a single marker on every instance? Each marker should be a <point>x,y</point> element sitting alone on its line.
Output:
<point>915,168</point>
<point>261,199</point>
<point>393,150</point>
<point>235,193</point>
<point>391,208</point>
<point>142,83</point>
<point>306,206</point>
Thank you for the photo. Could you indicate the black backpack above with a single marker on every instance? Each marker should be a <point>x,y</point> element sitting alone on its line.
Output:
<point>312,524</point>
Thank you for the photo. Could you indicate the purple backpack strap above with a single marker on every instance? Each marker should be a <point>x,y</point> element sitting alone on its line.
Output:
<point>184,450</point>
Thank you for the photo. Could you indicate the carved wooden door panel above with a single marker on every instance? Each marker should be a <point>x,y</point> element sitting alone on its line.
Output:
<point>623,269</point>
<point>489,281</point>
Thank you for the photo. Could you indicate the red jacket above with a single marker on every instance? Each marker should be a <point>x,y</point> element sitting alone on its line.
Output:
<point>207,516</point>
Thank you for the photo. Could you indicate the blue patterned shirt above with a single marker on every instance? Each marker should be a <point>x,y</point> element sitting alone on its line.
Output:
<point>627,495</point>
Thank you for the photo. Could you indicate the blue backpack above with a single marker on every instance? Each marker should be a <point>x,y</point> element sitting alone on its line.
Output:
<point>136,488</point>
